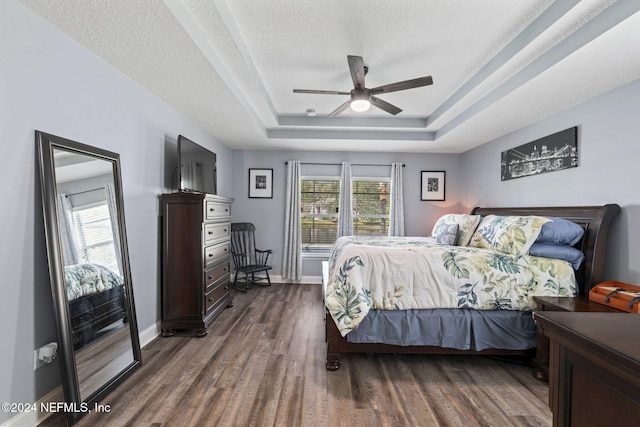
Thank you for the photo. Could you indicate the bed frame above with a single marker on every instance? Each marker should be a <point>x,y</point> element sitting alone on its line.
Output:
<point>594,219</point>
<point>92,313</point>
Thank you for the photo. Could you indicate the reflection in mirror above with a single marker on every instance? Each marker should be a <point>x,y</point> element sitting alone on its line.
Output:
<point>89,267</point>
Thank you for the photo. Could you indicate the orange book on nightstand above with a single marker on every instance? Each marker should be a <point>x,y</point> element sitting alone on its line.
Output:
<point>621,296</point>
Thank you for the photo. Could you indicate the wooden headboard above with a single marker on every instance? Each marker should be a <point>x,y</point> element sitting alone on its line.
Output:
<point>594,219</point>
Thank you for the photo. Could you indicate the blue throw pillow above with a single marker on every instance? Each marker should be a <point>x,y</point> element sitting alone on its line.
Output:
<point>568,253</point>
<point>560,231</point>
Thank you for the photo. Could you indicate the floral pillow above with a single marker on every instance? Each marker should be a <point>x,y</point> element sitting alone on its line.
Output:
<point>512,235</point>
<point>466,226</point>
<point>446,234</point>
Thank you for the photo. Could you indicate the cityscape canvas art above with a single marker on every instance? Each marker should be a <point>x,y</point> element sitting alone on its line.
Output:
<point>551,153</point>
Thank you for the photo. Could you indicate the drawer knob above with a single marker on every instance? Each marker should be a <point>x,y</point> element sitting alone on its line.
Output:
<point>226,269</point>
<point>210,232</point>
<point>210,255</point>
<point>210,277</point>
<point>210,299</point>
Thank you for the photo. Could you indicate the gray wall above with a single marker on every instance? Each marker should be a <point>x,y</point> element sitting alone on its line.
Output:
<point>50,83</point>
<point>268,214</point>
<point>608,171</point>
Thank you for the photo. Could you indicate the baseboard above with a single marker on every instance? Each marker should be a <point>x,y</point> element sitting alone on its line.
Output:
<point>310,280</point>
<point>149,334</point>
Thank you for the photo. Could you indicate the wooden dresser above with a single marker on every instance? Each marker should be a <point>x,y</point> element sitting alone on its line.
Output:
<point>576,304</point>
<point>195,260</point>
<point>594,361</point>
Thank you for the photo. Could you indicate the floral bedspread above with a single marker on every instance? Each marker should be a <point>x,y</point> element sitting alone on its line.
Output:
<point>400,273</point>
<point>87,279</point>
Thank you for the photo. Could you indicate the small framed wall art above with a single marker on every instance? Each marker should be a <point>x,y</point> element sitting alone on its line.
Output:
<point>260,183</point>
<point>432,185</point>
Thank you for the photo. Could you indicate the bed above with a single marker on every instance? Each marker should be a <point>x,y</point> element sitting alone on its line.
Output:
<point>96,300</point>
<point>472,314</point>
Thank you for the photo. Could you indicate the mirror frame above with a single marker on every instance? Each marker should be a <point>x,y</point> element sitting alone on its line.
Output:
<point>46,144</point>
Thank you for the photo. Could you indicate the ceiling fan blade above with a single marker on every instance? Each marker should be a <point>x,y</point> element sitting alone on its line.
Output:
<point>340,109</point>
<point>321,92</point>
<point>384,105</point>
<point>407,84</point>
<point>356,67</point>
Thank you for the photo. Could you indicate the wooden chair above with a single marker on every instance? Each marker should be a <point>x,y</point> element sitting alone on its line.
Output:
<point>246,258</point>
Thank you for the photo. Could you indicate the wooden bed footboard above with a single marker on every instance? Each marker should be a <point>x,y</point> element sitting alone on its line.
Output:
<point>595,220</point>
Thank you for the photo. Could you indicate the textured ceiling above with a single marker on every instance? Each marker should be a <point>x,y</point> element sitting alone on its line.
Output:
<point>231,66</point>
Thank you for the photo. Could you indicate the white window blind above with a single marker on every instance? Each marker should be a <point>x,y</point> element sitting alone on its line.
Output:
<point>96,237</point>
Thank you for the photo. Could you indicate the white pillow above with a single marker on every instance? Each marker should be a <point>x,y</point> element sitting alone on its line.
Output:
<point>466,226</point>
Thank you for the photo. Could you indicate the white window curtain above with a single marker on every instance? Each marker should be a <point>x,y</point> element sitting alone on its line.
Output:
<point>113,216</point>
<point>396,214</point>
<point>292,253</point>
<point>345,204</point>
<point>71,251</point>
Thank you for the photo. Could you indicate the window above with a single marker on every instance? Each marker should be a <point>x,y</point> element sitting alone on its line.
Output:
<point>319,210</point>
<point>319,198</point>
<point>96,238</point>
<point>370,206</point>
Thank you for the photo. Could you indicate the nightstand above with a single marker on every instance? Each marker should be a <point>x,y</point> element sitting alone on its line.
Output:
<point>574,304</point>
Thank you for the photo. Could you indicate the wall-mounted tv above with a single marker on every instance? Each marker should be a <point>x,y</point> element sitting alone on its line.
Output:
<point>197,168</point>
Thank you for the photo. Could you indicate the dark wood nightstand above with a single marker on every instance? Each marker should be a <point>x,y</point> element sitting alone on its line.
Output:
<point>574,304</point>
<point>595,367</point>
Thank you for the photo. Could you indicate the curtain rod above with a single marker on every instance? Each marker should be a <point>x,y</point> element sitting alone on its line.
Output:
<point>85,191</point>
<point>340,164</point>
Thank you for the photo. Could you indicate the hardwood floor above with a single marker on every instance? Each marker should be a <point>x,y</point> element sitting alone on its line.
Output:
<point>263,364</point>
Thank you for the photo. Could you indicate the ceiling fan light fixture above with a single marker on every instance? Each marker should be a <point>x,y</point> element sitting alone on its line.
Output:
<point>360,103</point>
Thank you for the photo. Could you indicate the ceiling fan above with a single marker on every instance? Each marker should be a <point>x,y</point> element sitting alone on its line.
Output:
<point>361,96</point>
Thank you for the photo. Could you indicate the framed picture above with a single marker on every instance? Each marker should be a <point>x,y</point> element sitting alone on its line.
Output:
<point>432,185</point>
<point>549,154</point>
<point>260,183</point>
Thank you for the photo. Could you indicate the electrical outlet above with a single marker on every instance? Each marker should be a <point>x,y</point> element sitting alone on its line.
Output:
<point>44,355</point>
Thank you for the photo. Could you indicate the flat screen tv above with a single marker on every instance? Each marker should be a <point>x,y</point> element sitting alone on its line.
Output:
<point>197,168</point>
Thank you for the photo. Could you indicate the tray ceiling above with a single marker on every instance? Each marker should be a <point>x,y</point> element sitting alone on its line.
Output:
<point>231,66</point>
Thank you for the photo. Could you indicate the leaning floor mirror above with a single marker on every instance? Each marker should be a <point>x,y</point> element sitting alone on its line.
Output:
<point>89,270</point>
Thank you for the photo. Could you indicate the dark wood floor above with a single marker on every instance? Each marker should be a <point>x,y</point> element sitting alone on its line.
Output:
<point>263,364</point>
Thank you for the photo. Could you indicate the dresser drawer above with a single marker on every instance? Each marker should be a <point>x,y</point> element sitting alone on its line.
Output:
<point>216,210</point>
<point>215,254</point>
<point>213,232</point>
<point>214,295</point>
<point>216,275</point>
